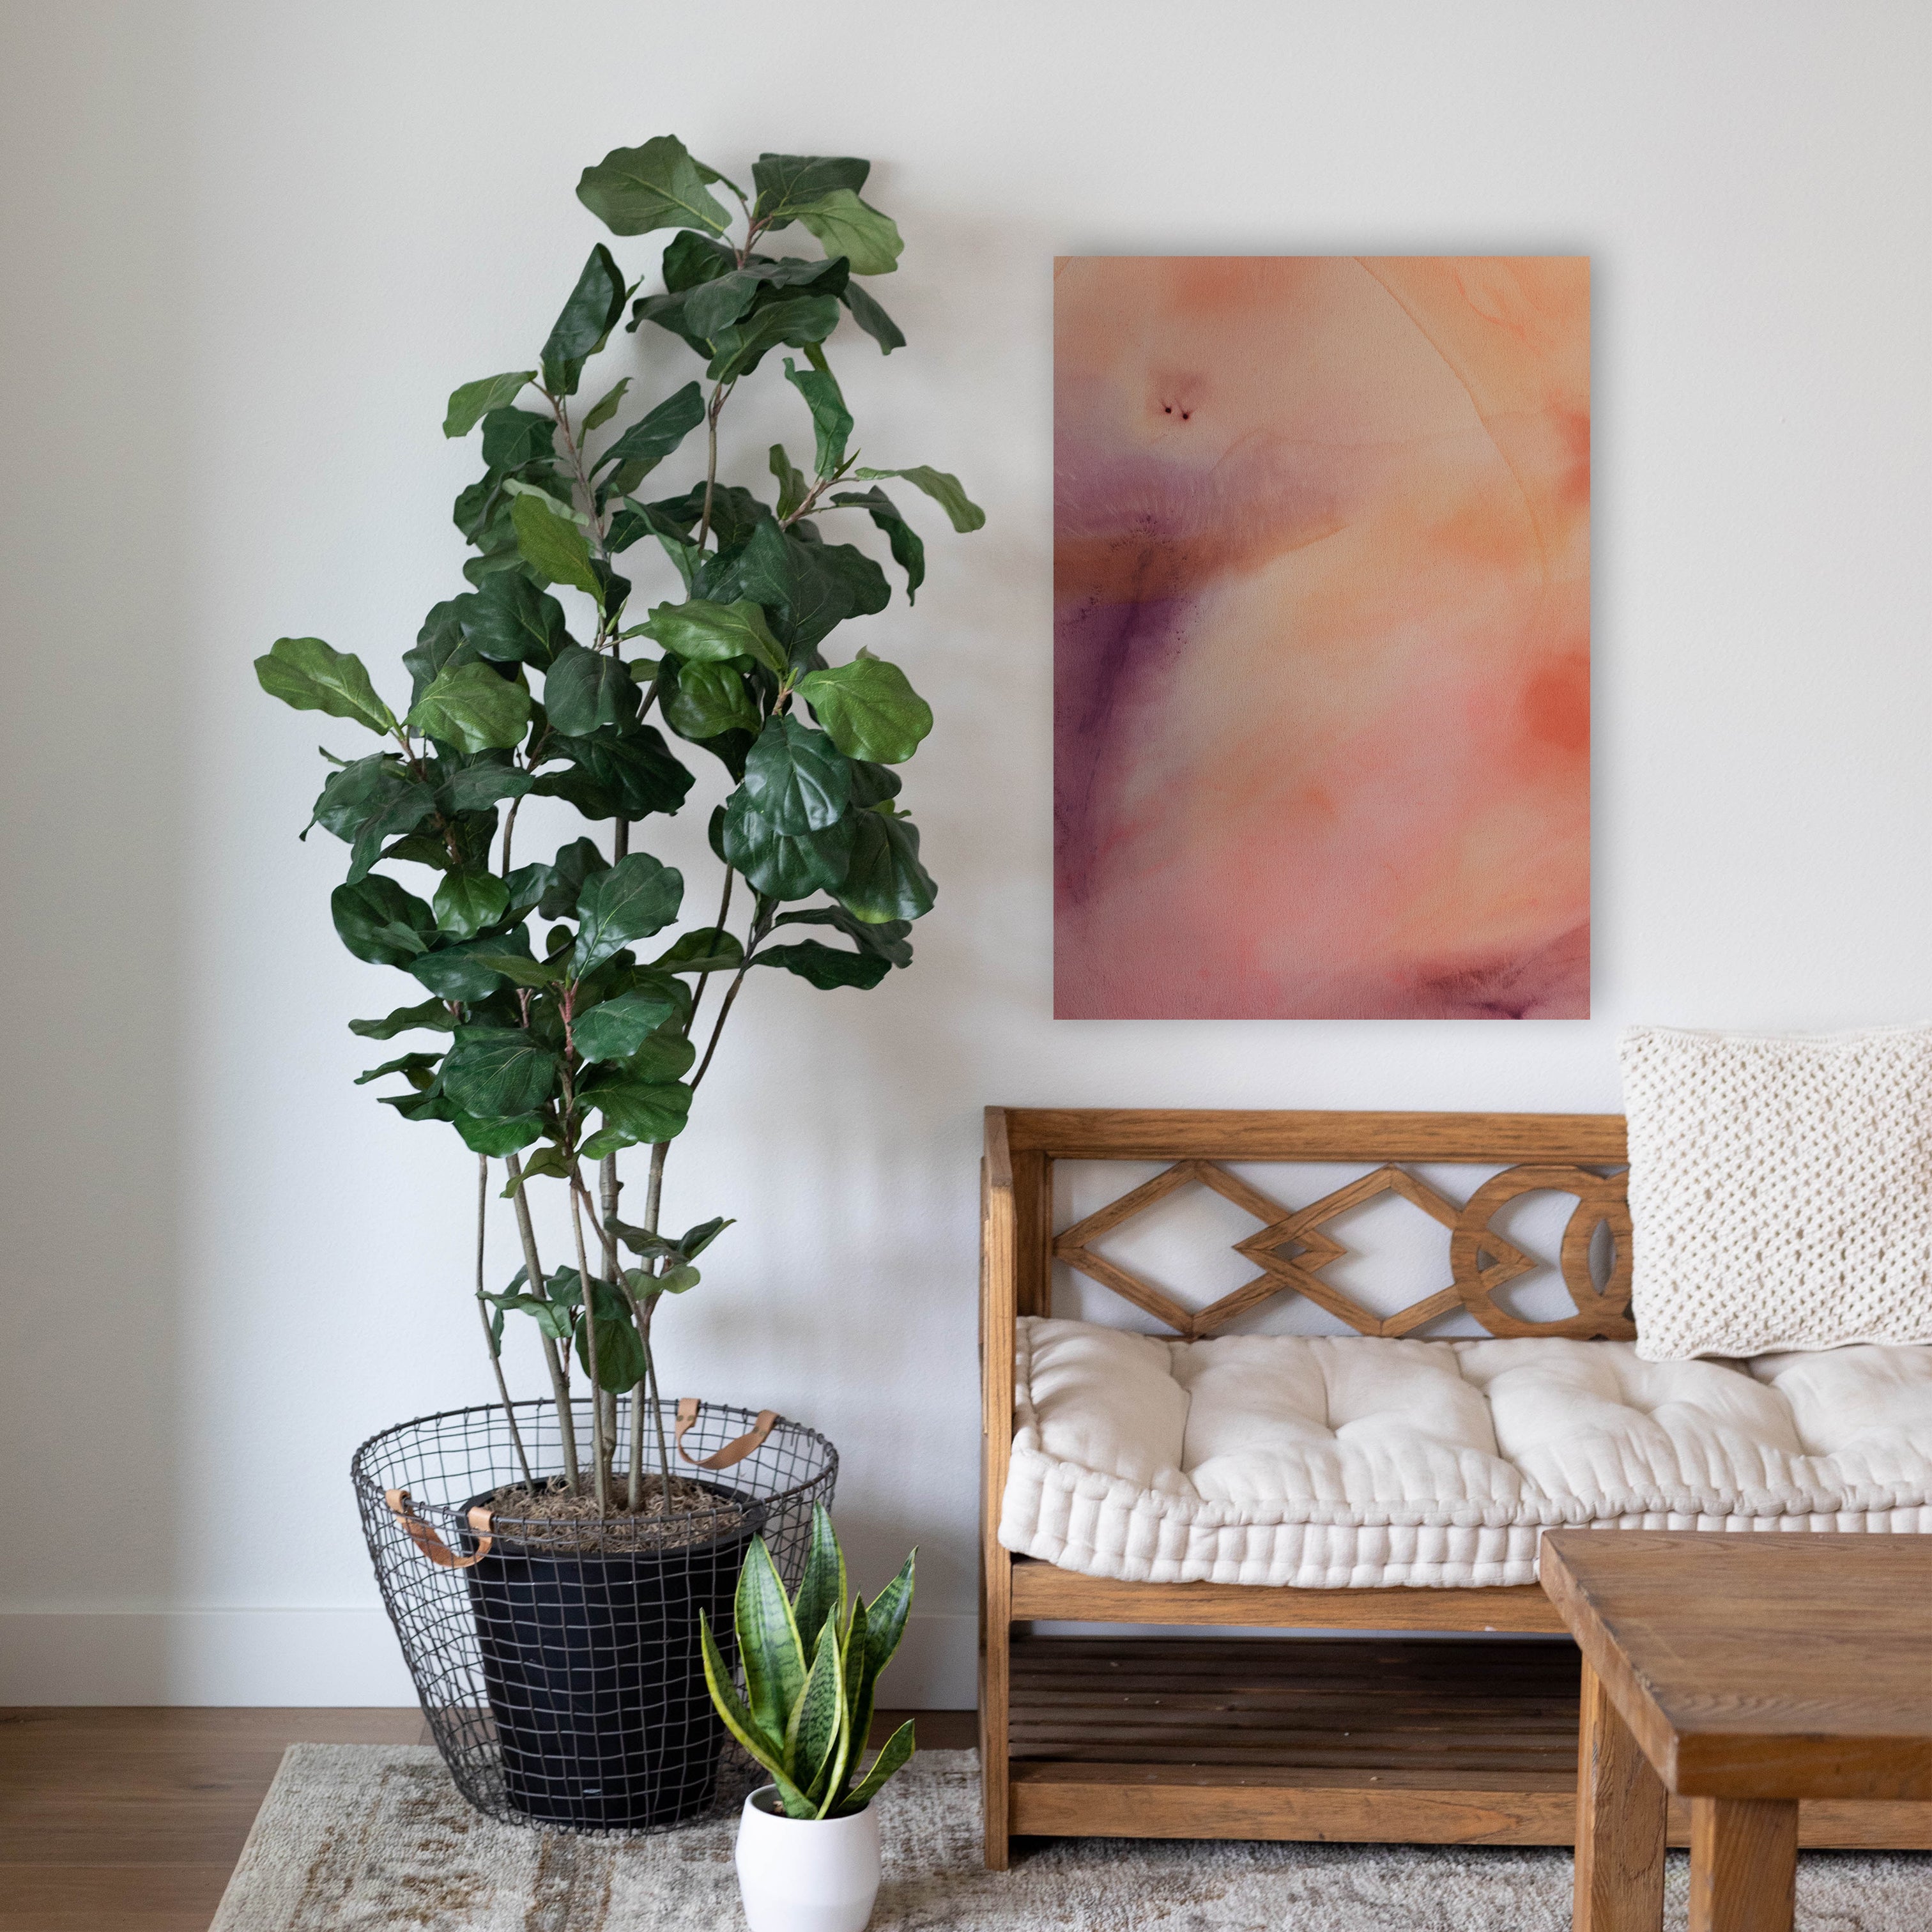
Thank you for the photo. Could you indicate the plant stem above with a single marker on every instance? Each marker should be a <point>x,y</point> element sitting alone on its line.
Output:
<point>711,414</point>
<point>599,1448</point>
<point>657,1401</point>
<point>559,1376</point>
<point>483,1312</point>
<point>704,979</point>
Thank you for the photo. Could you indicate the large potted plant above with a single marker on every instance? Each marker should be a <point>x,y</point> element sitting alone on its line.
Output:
<point>556,1050</point>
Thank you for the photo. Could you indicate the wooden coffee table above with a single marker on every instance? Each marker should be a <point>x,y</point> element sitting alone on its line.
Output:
<point>1743,1672</point>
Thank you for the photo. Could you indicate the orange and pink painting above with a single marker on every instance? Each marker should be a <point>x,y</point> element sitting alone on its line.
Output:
<point>1321,618</point>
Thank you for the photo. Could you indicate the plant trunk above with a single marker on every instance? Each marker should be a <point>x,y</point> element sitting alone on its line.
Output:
<point>599,1442</point>
<point>483,1314</point>
<point>559,1377</point>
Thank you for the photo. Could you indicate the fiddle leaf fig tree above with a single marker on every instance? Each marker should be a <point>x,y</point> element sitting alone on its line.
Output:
<point>608,632</point>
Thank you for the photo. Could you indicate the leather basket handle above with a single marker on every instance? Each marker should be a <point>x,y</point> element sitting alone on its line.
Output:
<point>734,1451</point>
<point>432,1545</point>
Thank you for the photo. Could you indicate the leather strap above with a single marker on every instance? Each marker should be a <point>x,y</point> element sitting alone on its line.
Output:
<point>432,1545</point>
<point>736,1451</point>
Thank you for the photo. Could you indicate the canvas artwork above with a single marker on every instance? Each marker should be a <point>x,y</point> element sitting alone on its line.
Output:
<point>1322,615</point>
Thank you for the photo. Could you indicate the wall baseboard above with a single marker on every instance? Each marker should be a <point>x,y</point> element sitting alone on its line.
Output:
<point>292,1657</point>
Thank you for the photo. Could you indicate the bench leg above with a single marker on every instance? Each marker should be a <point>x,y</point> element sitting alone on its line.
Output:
<point>1620,1820</point>
<point>1744,1864</point>
<point>996,1636</point>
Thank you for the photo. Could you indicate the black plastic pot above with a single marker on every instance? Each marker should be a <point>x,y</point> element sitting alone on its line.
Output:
<point>593,1666</point>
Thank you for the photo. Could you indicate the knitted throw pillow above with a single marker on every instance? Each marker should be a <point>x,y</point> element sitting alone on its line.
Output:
<point>1781,1190</point>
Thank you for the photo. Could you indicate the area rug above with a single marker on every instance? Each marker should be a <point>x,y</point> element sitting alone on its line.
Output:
<point>374,1838</point>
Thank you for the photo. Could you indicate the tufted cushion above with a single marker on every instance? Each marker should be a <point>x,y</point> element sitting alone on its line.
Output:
<point>1350,1463</point>
<point>1781,1190</point>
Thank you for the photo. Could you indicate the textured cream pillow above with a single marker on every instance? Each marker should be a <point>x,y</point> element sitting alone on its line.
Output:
<point>1781,1190</point>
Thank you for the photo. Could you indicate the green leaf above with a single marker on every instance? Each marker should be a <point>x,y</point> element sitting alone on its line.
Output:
<point>468,405</point>
<point>497,1138</point>
<point>512,438</point>
<point>482,783</point>
<point>872,318</point>
<point>805,589</point>
<point>701,701</point>
<point>892,1754</point>
<point>636,1113</point>
<point>739,348</point>
<point>584,689</point>
<point>691,260</point>
<point>679,1279</point>
<point>654,436</point>
<point>552,547</point>
<point>826,967</point>
<point>885,1616</point>
<point>411,1064</point>
<point>472,969</point>
<point>943,488</point>
<point>868,709</point>
<point>588,318</point>
<point>703,632</point>
<point>546,489</point>
<point>767,1749</point>
<point>908,547</point>
<point>768,1644</point>
<point>432,1016</point>
<point>379,922</point>
<point>473,708</point>
<point>884,878</point>
<point>632,191</point>
<point>796,779</point>
<point>535,974</point>
<point>873,784</point>
<point>846,226</point>
<point>353,795</point>
<point>635,898</point>
<point>661,1059</point>
<point>465,902</point>
<point>886,939</point>
<point>694,1241</point>
<point>308,674</point>
<point>779,865</point>
<point>617,1028</point>
<point>858,1694</point>
<point>627,773</point>
<point>549,1161</point>
<point>439,643</point>
<point>605,407</point>
<point>510,621</point>
<point>818,1719</point>
<point>496,1073</point>
<point>574,864</point>
<point>821,1590</point>
<point>785,183</point>
<point>620,1350</point>
<point>830,417</point>
<point>709,949</point>
<point>792,488</point>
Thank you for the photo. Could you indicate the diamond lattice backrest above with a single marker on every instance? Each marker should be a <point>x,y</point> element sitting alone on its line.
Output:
<point>1291,1249</point>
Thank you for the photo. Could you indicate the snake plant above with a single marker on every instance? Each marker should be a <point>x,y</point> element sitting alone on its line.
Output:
<point>811,1668</point>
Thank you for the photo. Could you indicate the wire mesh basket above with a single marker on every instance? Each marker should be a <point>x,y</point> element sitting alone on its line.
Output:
<point>559,1668</point>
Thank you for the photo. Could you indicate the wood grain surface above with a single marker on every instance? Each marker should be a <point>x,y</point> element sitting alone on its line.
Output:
<point>1759,1666</point>
<point>1041,1590</point>
<point>1621,1812</point>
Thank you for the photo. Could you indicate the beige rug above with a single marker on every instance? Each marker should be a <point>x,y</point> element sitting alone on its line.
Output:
<point>366,1838</point>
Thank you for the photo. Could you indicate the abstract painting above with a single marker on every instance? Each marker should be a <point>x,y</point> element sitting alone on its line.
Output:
<point>1321,619</point>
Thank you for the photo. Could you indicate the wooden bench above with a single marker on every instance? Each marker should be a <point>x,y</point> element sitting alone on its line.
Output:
<point>1377,1737</point>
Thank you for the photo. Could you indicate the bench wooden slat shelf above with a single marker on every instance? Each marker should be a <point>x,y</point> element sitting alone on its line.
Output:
<point>1462,1736</point>
<point>1041,1590</point>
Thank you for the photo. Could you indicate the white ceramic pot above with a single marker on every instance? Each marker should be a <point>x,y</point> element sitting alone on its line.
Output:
<point>806,1874</point>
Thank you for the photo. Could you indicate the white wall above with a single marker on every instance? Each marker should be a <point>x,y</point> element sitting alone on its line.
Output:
<point>250,250</point>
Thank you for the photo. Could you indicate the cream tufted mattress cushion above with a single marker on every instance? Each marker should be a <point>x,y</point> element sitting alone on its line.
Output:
<point>1355,1462</point>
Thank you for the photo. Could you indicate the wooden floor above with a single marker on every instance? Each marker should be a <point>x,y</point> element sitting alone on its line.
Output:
<point>131,1820</point>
